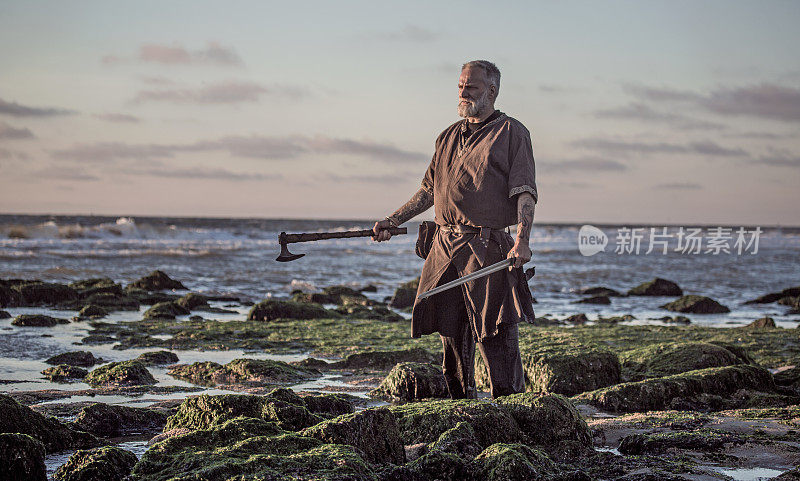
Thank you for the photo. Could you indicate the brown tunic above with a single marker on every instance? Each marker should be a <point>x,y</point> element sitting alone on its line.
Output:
<point>474,180</point>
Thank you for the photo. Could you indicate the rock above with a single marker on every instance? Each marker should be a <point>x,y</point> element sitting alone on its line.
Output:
<point>92,311</point>
<point>8,296</point>
<point>658,360</point>
<point>195,318</point>
<point>108,420</point>
<point>156,281</point>
<point>253,449</point>
<point>566,430</point>
<point>373,432</point>
<point>21,458</point>
<point>775,296</point>
<point>111,302</point>
<point>45,293</point>
<point>262,371</point>
<point>75,358</point>
<point>594,300</point>
<point>577,319</point>
<point>763,323</point>
<point>599,291</point>
<point>64,372</point>
<point>126,373</point>
<point>460,440</point>
<point>514,462</point>
<point>440,465</point>
<point>54,434</point>
<point>383,360</point>
<point>5,315</point>
<point>146,297</point>
<point>405,295</point>
<point>412,381</point>
<point>270,310</point>
<point>193,301</point>
<point>369,288</point>
<point>656,287</point>
<point>315,298</point>
<point>99,464</point>
<point>165,310</point>
<point>89,287</point>
<point>659,393</point>
<point>696,305</point>
<point>563,370</point>
<point>613,320</point>
<point>793,302</point>
<point>658,443</point>
<point>788,377</point>
<point>675,320</point>
<point>37,320</point>
<point>791,475</point>
<point>157,358</point>
<point>546,321</point>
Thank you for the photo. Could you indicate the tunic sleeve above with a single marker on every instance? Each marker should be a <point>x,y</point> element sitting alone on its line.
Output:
<point>522,171</point>
<point>427,180</point>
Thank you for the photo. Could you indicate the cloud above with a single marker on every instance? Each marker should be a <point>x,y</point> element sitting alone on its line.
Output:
<point>762,135</point>
<point>176,54</point>
<point>678,186</point>
<point>618,147</point>
<point>9,132</point>
<point>65,173</point>
<point>254,146</point>
<point>123,118</point>
<point>584,164</point>
<point>409,33</point>
<point>764,100</point>
<point>17,110</point>
<point>201,173</point>
<point>641,112</point>
<point>389,178</point>
<point>6,154</point>
<point>229,92</point>
<point>779,158</point>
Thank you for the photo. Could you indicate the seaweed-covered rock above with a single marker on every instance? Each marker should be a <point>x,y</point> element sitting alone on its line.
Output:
<point>566,370</point>
<point>314,297</point>
<point>242,370</point>
<point>98,464</point>
<point>566,430</point>
<point>657,443</point>
<point>247,448</point>
<point>110,420</point>
<point>126,373</point>
<point>791,475</point>
<point>696,305</point>
<point>192,301</point>
<point>426,422</point>
<point>460,440</point>
<point>156,281</point>
<point>762,323</point>
<point>55,435</point>
<point>165,310</point>
<point>577,319</point>
<point>657,360</point>
<point>788,377</point>
<point>270,310</point>
<point>441,465</point>
<point>88,287</point>
<point>8,296</point>
<point>775,296</point>
<point>382,360</point>
<point>790,301</point>
<point>656,287</point>
<point>110,301</point>
<point>64,372</point>
<point>373,431</point>
<point>412,381</point>
<point>604,300</point>
<point>405,295</point>
<point>92,311</point>
<point>514,462</point>
<point>143,296</point>
<point>21,458</point>
<point>75,358</point>
<point>657,394</point>
<point>157,358</point>
<point>4,315</point>
<point>45,293</point>
<point>599,291</point>
<point>37,320</point>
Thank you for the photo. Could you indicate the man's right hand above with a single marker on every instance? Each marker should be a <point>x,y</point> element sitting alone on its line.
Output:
<point>380,230</point>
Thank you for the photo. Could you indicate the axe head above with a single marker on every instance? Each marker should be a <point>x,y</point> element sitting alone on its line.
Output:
<point>287,256</point>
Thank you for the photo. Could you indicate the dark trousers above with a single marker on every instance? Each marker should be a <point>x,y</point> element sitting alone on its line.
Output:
<point>500,353</point>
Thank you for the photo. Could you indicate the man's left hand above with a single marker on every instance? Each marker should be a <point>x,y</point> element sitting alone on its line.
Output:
<point>521,254</point>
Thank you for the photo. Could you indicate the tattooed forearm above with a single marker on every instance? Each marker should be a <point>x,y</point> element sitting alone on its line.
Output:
<point>525,209</point>
<point>419,203</point>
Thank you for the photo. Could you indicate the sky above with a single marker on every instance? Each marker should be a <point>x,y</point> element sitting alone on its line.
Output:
<point>640,111</point>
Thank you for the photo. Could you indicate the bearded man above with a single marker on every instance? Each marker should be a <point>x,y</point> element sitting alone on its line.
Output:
<point>480,181</point>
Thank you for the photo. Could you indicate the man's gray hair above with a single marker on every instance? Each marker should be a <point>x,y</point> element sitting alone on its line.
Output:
<point>492,72</point>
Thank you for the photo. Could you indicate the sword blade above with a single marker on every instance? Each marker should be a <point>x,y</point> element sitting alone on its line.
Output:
<point>505,263</point>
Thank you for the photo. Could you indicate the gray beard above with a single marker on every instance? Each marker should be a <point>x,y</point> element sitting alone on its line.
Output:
<point>474,108</point>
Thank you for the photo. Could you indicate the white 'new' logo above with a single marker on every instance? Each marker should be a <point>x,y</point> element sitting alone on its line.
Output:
<point>591,240</point>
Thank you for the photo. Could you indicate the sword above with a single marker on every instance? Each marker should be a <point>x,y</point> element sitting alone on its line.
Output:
<point>505,263</point>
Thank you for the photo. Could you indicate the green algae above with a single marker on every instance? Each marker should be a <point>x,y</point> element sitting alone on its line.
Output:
<point>514,462</point>
<point>111,420</point>
<point>270,310</point>
<point>665,359</point>
<point>165,310</point>
<point>54,434</point>
<point>126,373</point>
<point>566,430</point>
<point>64,372</point>
<point>242,370</point>
<point>98,464</point>
<point>410,381</point>
<point>21,458</point>
<point>656,443</point>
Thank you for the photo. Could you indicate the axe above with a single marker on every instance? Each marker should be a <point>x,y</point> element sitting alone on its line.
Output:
<point>285,239</point>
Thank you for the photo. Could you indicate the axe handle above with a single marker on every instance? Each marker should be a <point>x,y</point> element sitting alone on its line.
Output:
<point>285,238</point>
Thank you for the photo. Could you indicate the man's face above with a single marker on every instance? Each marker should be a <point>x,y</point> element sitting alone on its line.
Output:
<point>475,94</point>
